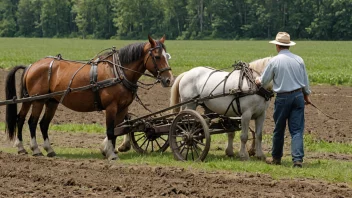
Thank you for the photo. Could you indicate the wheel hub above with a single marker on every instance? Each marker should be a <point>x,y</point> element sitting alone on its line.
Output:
<point>188,139</point>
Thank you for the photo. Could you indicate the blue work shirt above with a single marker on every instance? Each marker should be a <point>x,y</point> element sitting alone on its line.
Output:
<point>288,73</point>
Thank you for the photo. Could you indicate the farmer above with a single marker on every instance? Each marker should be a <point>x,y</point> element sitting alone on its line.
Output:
<point>291,85</point>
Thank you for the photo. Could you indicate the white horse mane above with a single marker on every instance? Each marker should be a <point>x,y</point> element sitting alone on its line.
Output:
<point>259,64</point>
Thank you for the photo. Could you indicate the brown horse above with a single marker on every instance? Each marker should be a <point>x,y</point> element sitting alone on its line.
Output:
<point>113,87</point>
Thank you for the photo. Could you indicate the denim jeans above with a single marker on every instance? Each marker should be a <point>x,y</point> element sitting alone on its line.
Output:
<point>289,107</point>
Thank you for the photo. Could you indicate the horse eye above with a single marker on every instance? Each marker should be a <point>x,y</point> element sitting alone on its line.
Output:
<point>168,56</point>
<point>157,57</point>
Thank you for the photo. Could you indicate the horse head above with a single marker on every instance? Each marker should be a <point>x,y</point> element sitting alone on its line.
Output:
<point>258,66</point>
<point>156,61</point>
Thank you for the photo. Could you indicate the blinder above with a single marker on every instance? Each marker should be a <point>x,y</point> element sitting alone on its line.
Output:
<point>158,57</point>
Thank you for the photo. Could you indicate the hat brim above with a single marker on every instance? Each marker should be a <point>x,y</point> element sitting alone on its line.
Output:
<point>283,44</point>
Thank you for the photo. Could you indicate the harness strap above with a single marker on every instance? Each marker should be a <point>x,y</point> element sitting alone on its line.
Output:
<point>93,80</point>
<point>24,87</point>
<point>49,74</point>
<point>211,73</point>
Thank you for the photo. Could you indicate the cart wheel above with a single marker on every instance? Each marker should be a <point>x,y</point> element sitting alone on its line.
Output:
<point>148,141</point>
<point>189,136</point>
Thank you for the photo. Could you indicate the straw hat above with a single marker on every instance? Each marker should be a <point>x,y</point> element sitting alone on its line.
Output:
<point>283,38</point>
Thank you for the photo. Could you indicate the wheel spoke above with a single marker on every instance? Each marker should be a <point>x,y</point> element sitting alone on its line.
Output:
<point>198,142</point>
<point>196,131</point>
<point>178,147</point>
<point>187,153</point>
<point>144,142</point>
<point>182,129</point>
<point>183,148</point>
<point>195,148</point>
<point>192,153</point>
<point>140,138</point>
<point>158,144</point>
<point>161,137</point>
<point>195,127</point>
<point>146,148</point>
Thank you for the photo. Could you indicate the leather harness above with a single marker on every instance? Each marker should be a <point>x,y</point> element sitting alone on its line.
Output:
<point>246,73</point>
<point>93,75</point>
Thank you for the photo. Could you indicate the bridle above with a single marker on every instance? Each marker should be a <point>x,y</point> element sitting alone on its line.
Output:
<point>154,58</point>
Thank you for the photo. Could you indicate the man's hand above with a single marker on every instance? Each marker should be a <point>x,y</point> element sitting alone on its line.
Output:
<point>307,99</point>
<point>257,80</point>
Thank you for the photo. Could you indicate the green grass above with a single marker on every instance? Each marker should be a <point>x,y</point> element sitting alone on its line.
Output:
<point>327,61</point>
<point>74,128</point>
<point>310,142</point>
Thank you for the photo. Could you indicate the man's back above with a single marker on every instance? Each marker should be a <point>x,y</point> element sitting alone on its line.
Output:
<point>289,72</point>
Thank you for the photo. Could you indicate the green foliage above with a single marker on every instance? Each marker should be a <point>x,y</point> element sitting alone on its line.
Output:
<point>178,19</point>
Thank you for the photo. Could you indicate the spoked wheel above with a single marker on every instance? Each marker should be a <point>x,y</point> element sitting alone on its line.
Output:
<point>149,141</point>
<point>189,136</point>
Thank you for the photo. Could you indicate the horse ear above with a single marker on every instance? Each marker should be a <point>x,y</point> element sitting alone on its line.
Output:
<point>162,40</point>
<point>151,41</point>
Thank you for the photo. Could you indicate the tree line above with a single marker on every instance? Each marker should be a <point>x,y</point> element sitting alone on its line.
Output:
<point>178,19</point>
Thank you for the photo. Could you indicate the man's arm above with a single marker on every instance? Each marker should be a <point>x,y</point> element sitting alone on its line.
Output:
<point>266,77</point>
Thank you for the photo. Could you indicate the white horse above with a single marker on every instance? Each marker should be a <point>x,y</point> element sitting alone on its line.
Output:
<point>204,81</point>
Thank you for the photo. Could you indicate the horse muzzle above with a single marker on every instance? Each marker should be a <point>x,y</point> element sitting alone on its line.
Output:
<point>167,82</point>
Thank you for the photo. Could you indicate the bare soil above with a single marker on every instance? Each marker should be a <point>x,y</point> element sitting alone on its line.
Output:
<point>26,176</point>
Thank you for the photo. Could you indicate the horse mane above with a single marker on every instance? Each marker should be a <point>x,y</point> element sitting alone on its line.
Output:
<point>134,52</point>
<point>259,64</point>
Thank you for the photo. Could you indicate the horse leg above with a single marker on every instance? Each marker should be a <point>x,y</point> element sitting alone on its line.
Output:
<point>126,144</point>
<point>259,122</point>
<point>21,117</point>
<point>112,119</point>
<point>50,109</point>
<point>229,150</point>
<point>32,122</point>
<point>251,151</point>
<point>246,117</point>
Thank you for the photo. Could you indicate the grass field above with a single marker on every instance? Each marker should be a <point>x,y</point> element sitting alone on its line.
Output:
<point>327,62</point>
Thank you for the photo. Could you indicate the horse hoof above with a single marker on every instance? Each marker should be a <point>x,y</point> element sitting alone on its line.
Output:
<point>113,156</point>
<point>22,152</point>
<point>251,153</point>
<point>103,152</point>
<point>38,154</point>
<point>51,154</point>
<point>123,149</point>
<point>229,153</point>
<point>262,158</point>
<point>244,158</point>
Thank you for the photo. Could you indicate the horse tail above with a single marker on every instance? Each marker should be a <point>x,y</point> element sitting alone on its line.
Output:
<point>11,109</point>
<point>175,93</point>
